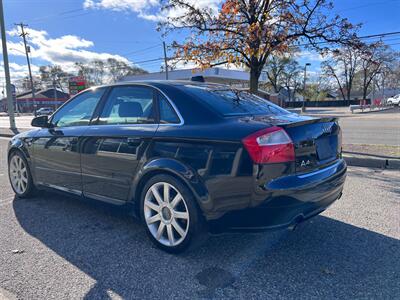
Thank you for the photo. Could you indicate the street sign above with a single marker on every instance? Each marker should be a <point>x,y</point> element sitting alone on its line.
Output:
<point>76,84</point>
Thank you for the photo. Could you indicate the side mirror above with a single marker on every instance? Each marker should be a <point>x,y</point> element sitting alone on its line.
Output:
<point>42,121</point>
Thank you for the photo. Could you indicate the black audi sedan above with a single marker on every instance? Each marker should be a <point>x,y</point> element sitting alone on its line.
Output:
<point>185,157</point>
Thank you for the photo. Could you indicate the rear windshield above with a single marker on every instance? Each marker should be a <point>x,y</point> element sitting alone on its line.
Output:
<point>231,102</point>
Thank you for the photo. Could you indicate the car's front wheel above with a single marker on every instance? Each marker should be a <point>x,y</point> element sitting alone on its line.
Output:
<point>20,175</point>
<point>170,214</point>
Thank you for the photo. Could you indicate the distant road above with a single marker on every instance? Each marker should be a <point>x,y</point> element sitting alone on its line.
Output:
<point>380,128</point>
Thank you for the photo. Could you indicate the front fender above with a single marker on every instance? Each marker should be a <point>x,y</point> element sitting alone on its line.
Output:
<point>23,143</point>
<point>177,169</point>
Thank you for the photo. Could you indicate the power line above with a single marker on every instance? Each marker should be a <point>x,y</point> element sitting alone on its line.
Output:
<point>360,37</point>
<point>364,5</point>
<point>63,13</point>
<point>141,50</point>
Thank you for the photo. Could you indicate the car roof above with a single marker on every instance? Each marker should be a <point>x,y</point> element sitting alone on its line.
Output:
<point>175,83</point>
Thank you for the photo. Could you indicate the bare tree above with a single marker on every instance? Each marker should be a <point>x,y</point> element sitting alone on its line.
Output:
<point>343,66</point>
<point>118,69</point>
<point>291,77</point>
<point>248,32</point>
<point>275,68</point>
<point>374,57</point>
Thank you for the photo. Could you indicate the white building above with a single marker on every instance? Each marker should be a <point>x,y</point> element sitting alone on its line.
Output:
<point>215,75</point>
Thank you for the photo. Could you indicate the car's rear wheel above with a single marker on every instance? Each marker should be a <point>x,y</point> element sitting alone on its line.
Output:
<point>20,175</point>
<point>170,214</point>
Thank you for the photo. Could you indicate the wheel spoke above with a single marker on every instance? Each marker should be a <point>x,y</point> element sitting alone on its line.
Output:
<point>153,219</point>
<point>181,215</point>
<point>178,228</point>
<point>166,192</point>
<point>176,200</point>
<point>14,162</point>
<point>160,230</point>
<point>19,186</point>
<point>153,206</point>
<point>170,235</point>
<point>23,185</point>
<point>156,195</point>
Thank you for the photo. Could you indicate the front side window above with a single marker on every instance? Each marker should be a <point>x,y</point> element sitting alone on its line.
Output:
<point>129,105</point>
<point>78,111</point>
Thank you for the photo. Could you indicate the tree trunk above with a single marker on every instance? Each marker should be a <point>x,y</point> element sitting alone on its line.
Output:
<point>254,76</point>
<point>365,85</point>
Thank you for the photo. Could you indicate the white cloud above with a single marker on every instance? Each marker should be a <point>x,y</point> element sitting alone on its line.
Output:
<point>148,9</point>
<point>63,51</point>
<point>311,56</point>
<point>17,71</point>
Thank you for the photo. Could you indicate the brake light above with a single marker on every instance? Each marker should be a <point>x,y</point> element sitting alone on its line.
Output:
<point>270,145</point>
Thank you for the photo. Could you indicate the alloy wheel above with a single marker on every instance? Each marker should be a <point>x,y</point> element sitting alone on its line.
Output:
<point>166,214</point>
<point>18,174</point>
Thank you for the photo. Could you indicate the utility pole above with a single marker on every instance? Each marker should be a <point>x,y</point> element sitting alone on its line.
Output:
<point>303,107</point>
<point>55,91</point>
<point>10,103</point>
<point>27,50</point>
<point>165,61</point>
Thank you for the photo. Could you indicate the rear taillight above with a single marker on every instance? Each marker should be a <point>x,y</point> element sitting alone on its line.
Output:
<point>271,145</point>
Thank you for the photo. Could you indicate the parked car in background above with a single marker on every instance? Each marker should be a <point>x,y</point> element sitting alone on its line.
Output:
<point>44,111</point>
<point>395,100</point>
<point>186,157</point>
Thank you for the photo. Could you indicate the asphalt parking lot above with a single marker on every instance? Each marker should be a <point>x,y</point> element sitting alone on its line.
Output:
<point>55,247</point>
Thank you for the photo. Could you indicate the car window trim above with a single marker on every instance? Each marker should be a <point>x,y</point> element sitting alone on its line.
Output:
<point>170,105</point>
<point>104,99</point>
<point>103,102</point>
<point>72,99</point>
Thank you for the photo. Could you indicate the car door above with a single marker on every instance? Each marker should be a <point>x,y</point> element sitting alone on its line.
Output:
<point>115,143</point>
<point>56,151</point>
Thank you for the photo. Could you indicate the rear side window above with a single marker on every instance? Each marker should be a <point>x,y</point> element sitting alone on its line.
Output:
<point>128,105</point>
<point>231,102</point>
<point>167,113</point>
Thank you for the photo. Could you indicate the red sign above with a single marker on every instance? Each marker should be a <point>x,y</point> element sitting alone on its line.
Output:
<point>76,84</point>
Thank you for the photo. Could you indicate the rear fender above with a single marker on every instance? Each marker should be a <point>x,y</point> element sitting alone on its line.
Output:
<point>174,168</point>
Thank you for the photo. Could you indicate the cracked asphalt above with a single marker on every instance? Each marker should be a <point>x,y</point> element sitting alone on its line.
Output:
<point>56,247</point>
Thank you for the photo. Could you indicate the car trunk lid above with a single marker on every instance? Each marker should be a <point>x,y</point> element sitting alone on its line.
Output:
<point>317,141</point>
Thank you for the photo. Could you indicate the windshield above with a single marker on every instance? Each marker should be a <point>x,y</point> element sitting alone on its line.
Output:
<point>232,102</point>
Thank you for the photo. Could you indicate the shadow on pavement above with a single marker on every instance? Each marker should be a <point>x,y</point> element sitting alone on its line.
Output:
<point>324,258</point>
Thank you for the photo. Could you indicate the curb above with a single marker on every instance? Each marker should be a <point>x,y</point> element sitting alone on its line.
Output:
<point>372,162</point>
<point>6,135</point>
<point>6,132</point>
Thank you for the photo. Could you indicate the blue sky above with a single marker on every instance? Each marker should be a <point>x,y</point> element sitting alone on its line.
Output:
<point>66,30</point>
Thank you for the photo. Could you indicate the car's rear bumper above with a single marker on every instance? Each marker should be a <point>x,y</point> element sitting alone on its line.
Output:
<point>290,200</point>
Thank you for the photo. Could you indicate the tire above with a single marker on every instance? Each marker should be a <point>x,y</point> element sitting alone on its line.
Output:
<point>20,175</point>
<point>172,226</point>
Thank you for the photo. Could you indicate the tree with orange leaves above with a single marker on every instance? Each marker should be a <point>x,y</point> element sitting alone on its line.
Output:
<point>246,33</point>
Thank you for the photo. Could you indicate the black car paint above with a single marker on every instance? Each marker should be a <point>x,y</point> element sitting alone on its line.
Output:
<point>205,152</point>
